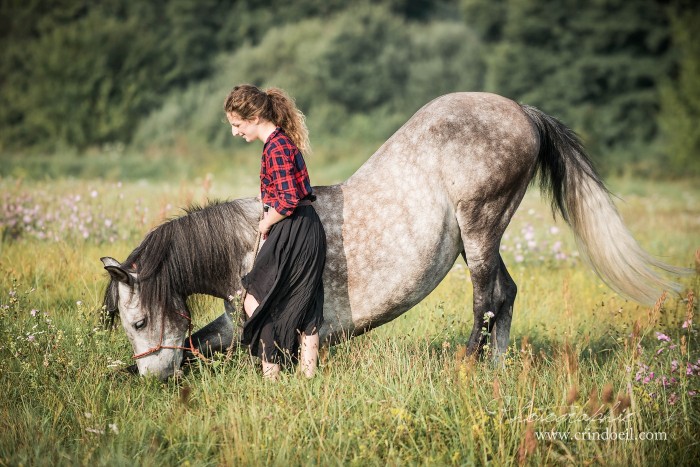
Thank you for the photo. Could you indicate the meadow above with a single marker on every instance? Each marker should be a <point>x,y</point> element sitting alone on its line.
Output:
<point>590,378</point>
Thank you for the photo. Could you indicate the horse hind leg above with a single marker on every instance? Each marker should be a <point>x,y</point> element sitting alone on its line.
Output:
<point>483,275</point>
<point>504,293</point>
<point>494,295</point>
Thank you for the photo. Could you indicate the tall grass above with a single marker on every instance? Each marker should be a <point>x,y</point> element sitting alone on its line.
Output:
<point>583,361</point>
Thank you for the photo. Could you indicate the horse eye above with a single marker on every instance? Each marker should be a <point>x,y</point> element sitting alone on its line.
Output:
<point>140,324</point>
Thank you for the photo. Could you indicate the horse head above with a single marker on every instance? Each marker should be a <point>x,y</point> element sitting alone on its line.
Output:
<point>156,333</point>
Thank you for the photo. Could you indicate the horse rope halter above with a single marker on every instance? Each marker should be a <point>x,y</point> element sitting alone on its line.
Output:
<point>160,345</point>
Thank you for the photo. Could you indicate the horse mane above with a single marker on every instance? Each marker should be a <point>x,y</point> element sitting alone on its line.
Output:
<point>194,253</point>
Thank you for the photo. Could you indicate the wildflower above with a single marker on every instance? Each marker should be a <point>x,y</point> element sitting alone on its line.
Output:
<point>673,399</point>
<point>649,378</point>
<point>488,315</point>
<point>519,258</point>
<point>113,427</point>
<point>31,338</point>
<point>663,337</point>
<point>34,313</point>
<point>642,370</point>
<point>93,193</point>
<point>674,366</point>
<point>554,230</point>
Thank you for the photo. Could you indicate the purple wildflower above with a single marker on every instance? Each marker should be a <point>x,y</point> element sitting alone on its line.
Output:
<point>663,337</point>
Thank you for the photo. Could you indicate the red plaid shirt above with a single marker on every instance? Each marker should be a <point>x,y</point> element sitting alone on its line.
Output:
<point>284,179</point>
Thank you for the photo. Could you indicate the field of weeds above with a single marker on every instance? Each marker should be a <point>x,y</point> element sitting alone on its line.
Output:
<point>590,378</point>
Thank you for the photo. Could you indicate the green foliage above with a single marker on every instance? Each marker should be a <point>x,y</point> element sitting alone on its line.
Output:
<point>79,76</point>
<point>363,97</point>
<point>596,69</point>
<point>680,101</point>
<point>365,61</point>
<point>81,82</point>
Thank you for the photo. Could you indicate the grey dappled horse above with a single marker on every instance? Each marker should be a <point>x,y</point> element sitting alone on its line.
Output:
<point>446,183</point>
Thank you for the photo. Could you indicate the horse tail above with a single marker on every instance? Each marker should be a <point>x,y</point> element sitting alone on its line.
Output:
<point>568,176</point>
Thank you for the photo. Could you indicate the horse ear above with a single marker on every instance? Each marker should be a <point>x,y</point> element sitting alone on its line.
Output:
<point>120,274</point>
<point>109,261</point>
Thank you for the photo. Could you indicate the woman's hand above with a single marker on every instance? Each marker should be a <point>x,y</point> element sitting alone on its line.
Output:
<point>270,218</point>
<point>263,228</point>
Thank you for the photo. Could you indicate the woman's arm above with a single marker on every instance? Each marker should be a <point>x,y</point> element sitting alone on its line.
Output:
<point>270,218</point>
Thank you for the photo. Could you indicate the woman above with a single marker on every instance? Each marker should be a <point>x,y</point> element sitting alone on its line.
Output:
<point>284,301</point>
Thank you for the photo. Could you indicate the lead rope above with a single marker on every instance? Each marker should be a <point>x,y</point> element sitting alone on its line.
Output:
<point>160,345</point>
<point>242,317</point>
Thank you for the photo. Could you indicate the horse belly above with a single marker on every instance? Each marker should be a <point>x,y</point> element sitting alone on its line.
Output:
<point>397,252</point>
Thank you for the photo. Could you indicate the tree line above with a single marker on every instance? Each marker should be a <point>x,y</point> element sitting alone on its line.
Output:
<point>78,74</point>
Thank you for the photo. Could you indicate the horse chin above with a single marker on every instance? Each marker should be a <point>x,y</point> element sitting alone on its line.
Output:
<point>162,364</point>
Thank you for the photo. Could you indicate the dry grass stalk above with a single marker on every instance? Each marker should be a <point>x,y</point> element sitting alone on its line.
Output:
<point>527,445</point>
<point>622,403</point>
<point>185,393</point>
<point>571,395</point>
<point>607,395</point>
<point>496,388</point>
<point>656,311</point>
<point>593,406</point>
<point>460,353</point>
<point>689,307</point>
<point>525,345</point>
<point>570,358</point>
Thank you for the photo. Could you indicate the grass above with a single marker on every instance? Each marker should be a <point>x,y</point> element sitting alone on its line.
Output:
<point>580,363</point>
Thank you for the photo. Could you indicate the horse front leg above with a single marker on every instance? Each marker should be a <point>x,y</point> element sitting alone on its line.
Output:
<point>217,336</point>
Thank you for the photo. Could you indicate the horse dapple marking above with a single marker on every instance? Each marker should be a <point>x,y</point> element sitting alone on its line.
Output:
<point>446,183</point>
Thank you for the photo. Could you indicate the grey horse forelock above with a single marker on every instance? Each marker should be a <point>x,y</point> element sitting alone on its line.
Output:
<point>192,254</point>
<point>579,194</point>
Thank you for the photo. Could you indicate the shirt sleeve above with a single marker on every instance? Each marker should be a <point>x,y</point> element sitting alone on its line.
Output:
<point>281,173</point>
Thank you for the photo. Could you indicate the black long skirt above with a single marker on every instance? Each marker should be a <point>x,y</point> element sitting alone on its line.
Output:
<point>286,282</point>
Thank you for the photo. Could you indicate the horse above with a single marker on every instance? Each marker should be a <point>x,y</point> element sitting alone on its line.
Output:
<point>445,184</point>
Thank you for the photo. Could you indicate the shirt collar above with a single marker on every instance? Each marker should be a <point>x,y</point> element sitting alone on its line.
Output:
<point>277,131</point>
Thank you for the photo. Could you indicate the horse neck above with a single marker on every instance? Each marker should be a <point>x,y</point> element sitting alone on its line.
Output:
<point>205,249</point>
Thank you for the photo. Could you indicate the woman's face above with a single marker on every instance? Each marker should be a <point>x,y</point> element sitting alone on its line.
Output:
<point>248,129</point>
